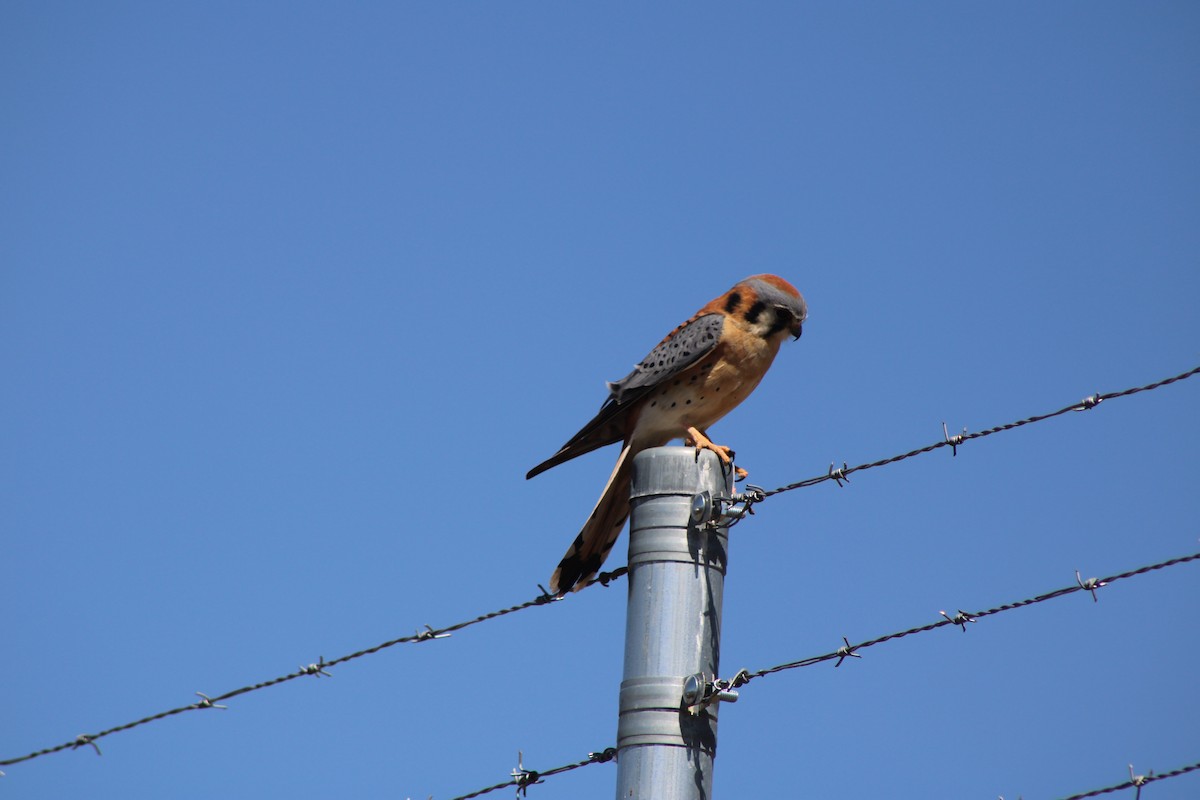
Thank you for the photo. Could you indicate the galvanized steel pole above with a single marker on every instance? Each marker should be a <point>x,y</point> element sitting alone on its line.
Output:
<point>666,742</point>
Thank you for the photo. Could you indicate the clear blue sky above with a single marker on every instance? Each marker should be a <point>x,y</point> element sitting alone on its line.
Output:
<point>293,294</point>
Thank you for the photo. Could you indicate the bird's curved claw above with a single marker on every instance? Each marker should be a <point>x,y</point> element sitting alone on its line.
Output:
<point>697,439</point>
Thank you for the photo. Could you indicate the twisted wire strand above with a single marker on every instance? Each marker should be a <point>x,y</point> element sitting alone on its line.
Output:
<point>526,779</point>
<point>1137,781</point>
<point>523,779</point>
<point>961,619</point>
<point>317,670</point>
<point>953,442</point>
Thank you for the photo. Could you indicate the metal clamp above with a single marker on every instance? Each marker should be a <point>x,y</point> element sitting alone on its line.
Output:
<point>710,511</point>
<point>699,692</point>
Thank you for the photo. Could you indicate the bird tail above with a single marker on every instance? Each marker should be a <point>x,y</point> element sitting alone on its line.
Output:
<point>587,553</point>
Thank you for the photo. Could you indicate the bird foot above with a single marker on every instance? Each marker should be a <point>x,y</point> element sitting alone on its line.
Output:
<point>696,438</point>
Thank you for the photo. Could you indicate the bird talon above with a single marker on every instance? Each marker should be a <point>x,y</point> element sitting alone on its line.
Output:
<point>739,474</point>
<point>701,442</point>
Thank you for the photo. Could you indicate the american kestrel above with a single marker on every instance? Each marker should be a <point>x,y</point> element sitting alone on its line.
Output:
<point>695,376</point>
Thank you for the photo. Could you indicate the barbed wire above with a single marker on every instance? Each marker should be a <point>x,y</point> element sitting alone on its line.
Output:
<point>1137,781</point>
<point>961,619</point>
<point>523,778</point>
<point>317,669</point>
<point>953,442</point>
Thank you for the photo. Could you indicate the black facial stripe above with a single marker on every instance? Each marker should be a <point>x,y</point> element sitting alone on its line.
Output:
<point>783,320</point>
<point>754,311</point>
<point>731,305</point>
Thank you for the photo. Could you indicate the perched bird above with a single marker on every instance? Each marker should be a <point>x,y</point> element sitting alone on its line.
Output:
<point>695,376</point>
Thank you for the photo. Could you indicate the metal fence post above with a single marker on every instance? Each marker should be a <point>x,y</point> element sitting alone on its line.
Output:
<point>666,745</point>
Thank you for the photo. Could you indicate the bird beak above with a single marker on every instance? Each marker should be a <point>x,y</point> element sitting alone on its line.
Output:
<point>797,329</point>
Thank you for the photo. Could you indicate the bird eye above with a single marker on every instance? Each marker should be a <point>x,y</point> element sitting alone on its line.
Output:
<point>783,320</point>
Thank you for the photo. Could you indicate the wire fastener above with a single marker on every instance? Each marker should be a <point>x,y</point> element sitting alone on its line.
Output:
<point>524,777</point>
<point>86,739</point>
<point>317,669</point>
<point>847,652</point>
<point>955,440</point>
<point>699,693</point>
<point>1091,584</point>
<point>1139,781</point>
<point>711,512</point>
<point>205,702</point>
<point>607,754</point>
<point>960,619</point>
<point>430,633</point>
<point>838,475</point>
<point>605,578</point>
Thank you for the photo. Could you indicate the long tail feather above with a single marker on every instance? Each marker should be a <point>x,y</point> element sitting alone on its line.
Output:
<point>587,553</point>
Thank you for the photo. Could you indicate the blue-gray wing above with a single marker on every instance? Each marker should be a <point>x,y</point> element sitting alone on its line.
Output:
<point>674,354</point>
<point>685,347</point>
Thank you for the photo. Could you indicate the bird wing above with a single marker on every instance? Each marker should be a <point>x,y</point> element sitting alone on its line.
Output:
<point>682,348</point>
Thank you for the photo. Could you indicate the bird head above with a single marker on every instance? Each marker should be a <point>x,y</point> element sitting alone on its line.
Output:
<point>769,304</point>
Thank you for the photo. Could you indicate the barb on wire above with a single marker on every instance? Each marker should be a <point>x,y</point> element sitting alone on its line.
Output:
<point>522,778</point>
<point>1136,781</point>
<point>317,670</point>
<point>1091,585</point>
<point>842,654</point>
<point>955,441</point>
<point>961,619</point>
<point>207,702</point>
